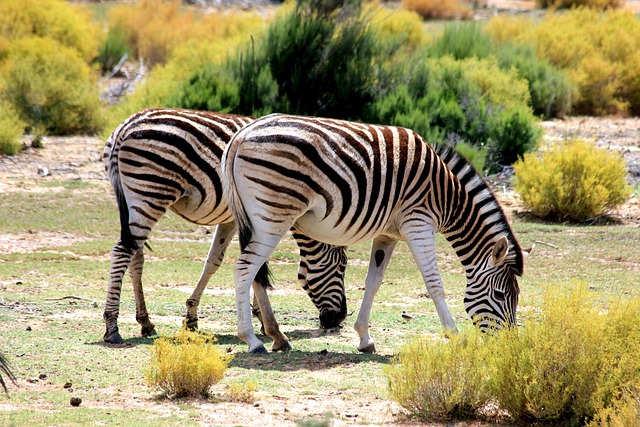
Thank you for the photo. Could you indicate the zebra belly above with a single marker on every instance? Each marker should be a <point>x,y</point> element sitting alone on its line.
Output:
<point>326,232</point>
<point>202,212</point>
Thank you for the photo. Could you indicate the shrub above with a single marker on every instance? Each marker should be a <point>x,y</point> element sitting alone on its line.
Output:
<point>398,25</point>
<point>186,365</point>
<point>568,4</point>
<point>309,63</point>
<point>11,128</point>
<point>163,84</point>
<point>440,379</point>
<point>438,9</point>
<point>242,392</point>
<point>574,181</point>
<point>597,50</point>
<point>50,86</point>
<point>68,24</point>
<point>154,27</point>
<point>573,361</point>
<point>114,48</point>
<point>468,101</point>
<point>550,89</point>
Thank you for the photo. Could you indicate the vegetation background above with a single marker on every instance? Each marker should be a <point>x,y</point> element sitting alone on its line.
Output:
<point>506,83</point>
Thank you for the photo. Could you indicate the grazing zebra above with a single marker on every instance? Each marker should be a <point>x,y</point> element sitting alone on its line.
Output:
<point>343,183</point>
<point>161,159</point>
<point>4,368</point>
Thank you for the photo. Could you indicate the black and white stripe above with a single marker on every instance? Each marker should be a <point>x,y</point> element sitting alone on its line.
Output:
<point>343,183</point>
<point>161,159</point>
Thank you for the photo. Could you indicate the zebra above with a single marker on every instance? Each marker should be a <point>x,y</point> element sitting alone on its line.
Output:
<point>342,183</point>
<point>161,159</point>
<point>6,369</point>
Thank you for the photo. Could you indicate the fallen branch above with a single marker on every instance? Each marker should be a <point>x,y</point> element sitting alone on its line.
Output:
<point>68,297</point>
<point>551,245</point>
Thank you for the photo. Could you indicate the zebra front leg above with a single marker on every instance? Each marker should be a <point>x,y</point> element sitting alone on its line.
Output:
<point>381,251</point>
<point>221,239</point>
<point>422,245</point>
<point>147,328</point>
<point>120,260</point>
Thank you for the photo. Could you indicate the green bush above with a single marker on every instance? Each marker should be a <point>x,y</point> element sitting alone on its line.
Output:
<point>309,63</point>
<point>573,181</point>
<point>50,86</point>
<point>574,361</point>
<point>186,365</point>
<point>11,129</point>
<point>472,101</point>
<point>114,48</point>
<point>551,91</point>
<point>569,4</point>
<point>68,24</point>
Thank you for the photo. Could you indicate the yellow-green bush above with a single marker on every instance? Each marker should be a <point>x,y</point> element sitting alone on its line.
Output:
<point>69,24</point>
<point>155,28</point>
<point>11,128</point>
<point>440,379</point>
<point>186,365</point>
<point>600,51</point>
<point>573,181</point>
<point>390,24</point>
<point>50,86</point>
<point>438,9</point>
<point>225,31</point>
<point>575,359</point>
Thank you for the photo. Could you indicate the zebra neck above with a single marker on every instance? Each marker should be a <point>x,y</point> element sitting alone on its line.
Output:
<point>474,220</point>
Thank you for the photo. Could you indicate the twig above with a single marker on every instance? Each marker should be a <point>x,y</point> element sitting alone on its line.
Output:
<point>551,245</point>
<point>68,297</point>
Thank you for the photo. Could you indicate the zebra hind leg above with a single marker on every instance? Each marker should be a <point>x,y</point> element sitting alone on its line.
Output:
<point>120,260</point>
<point>147,328</point>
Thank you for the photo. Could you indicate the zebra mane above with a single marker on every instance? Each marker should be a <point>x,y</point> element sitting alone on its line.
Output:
<point>470,179</point>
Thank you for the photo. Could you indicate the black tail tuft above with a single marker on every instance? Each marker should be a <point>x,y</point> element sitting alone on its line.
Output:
<point>264,275</point>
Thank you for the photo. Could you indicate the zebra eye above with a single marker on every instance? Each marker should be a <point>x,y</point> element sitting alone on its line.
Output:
<point>498,294</point>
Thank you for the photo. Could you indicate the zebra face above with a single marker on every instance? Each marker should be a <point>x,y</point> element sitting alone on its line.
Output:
<point>491,297</point>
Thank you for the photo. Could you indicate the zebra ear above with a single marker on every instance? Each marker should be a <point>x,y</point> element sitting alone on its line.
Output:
<point>500,251</point>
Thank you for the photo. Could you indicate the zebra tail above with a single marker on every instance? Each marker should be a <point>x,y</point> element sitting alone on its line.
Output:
<point>245,228</point>
<point>111,164</point>
<point>4,368</point>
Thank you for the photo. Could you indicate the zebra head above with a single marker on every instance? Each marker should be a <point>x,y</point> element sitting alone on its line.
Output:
<point>491,296</point>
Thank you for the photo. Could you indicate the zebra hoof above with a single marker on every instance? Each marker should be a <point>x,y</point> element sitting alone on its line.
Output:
<point>148,331</point>
<point>285,348</point>
<point>371,348</point>
<point>113,338</point>
<point>191,325</point>
<point>259,350</point>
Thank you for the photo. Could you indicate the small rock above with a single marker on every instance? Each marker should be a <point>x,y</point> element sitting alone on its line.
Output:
<point>323,352</point>
<point>67,384</point>
<point>75,401</point>
<point>43,170</point>
<point>42,376</point>
<point>28,328</point>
